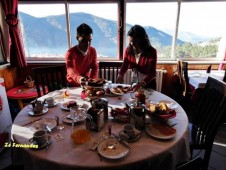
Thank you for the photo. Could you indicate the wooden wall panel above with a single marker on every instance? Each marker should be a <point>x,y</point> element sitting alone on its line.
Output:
<point>12,75</point>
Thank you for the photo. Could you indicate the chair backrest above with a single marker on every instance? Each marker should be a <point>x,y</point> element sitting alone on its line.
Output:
<point>49,78</point>
<point>224,78</point>
<point>208,117</point>
<point>210,112</point>
<point>194,164</point>
<point>109,70</point>
<point>182,72</point>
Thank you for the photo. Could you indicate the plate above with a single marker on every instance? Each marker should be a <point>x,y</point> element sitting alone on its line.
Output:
<point>170,115</point>
<point>68,119</point>
<point>64,105</point>
<point>120,90</point>
<point>170,104</point>
<point>40,124</point>
<point>160,131</point>
<point>44,111</point>
<point>46,105</point>
<point>119,151</point>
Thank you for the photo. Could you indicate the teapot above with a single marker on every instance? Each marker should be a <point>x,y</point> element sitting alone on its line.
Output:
<point>101,103</point>
<point>37,106</point>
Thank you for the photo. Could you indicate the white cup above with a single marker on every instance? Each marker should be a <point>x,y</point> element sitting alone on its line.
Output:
<point>50,101</point>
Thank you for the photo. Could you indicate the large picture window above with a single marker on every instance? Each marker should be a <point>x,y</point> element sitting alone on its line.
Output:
<point>158,20</point>
<point>187,30</point>
<point>202,29</point>
<point>45,32</point>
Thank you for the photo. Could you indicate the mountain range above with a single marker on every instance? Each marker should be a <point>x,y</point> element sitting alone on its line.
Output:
<point>49,34</point>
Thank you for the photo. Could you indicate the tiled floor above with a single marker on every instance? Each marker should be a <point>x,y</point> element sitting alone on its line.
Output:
<point>218,155</point>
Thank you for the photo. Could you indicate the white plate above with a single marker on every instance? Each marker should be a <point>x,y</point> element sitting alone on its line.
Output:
<point>46,105</point>
<point>170,104</point>
<point>40,124</point>
<point>119,94</point>
<point>44,111</point>
<point>64,105</point>
<point>160,131</point>
<point>119,151</point>
<point>68,119</point>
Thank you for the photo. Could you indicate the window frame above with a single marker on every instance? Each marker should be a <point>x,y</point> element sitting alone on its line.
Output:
<point>122,24</point>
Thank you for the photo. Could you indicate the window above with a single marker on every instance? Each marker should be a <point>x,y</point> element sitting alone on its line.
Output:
<point>103,23</point>
<point>158,20</point>
<point>45,32</point>
<point>188,30</point>
<point>202,28</point>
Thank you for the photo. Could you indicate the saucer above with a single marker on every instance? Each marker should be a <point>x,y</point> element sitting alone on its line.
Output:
<point>49,141</point>
<point>137,135</point>
<point>44,111</point>
<point>54,104</point>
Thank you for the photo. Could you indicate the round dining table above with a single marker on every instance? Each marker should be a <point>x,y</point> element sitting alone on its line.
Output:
<point>63,154</point>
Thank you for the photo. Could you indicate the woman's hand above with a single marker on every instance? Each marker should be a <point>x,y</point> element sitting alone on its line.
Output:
<point>138,86</point>
<point>119,79</point>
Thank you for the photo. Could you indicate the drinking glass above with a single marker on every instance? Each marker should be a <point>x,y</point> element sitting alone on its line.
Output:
<point>60,124</point>
<point>73,113</point>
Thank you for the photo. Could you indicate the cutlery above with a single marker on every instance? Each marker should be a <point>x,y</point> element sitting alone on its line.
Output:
<point>121,141</point>
<point>30,122</point>
<point>100,156</point>
<point>48,128</point>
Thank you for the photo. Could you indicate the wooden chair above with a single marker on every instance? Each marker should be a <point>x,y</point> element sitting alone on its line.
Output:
<point>49,78</point>
<point>109,70</point>
<point>208,115</point>
<point>224,78</point>
<point>181,87</point>
<point>194,164</point>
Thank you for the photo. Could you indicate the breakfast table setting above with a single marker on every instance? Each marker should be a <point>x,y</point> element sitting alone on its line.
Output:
<point>101,127</point>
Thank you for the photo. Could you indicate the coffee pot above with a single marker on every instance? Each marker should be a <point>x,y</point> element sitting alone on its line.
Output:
<point>137,115</point>
<point>37,105</point>
<point>101,103</point>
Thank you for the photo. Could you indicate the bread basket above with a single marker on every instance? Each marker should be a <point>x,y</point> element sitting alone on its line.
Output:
<point>29,82</point>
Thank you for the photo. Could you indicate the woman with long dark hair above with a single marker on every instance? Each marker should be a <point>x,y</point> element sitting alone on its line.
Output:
<point>141,57</point>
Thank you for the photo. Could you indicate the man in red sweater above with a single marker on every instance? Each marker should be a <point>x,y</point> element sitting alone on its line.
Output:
<point>81,60</point>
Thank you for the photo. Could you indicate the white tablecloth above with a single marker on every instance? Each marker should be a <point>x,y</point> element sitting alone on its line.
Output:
<point>198,78</point>
<point>146,153</point>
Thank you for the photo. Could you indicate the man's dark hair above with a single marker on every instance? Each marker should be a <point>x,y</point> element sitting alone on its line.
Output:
<point>84,29</point>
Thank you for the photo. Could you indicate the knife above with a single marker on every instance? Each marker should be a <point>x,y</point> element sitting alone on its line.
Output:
<point>30,122</point>
<point>121,141</point>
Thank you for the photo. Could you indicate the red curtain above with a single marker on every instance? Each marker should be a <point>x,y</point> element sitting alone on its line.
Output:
<point>17,55</point>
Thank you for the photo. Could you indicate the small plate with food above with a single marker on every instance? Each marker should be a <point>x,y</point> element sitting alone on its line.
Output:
<point>96,82</point>
<point>66,105</point>
<point>161,110</point>
<point>94,91</point>
<point>120,90</point>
